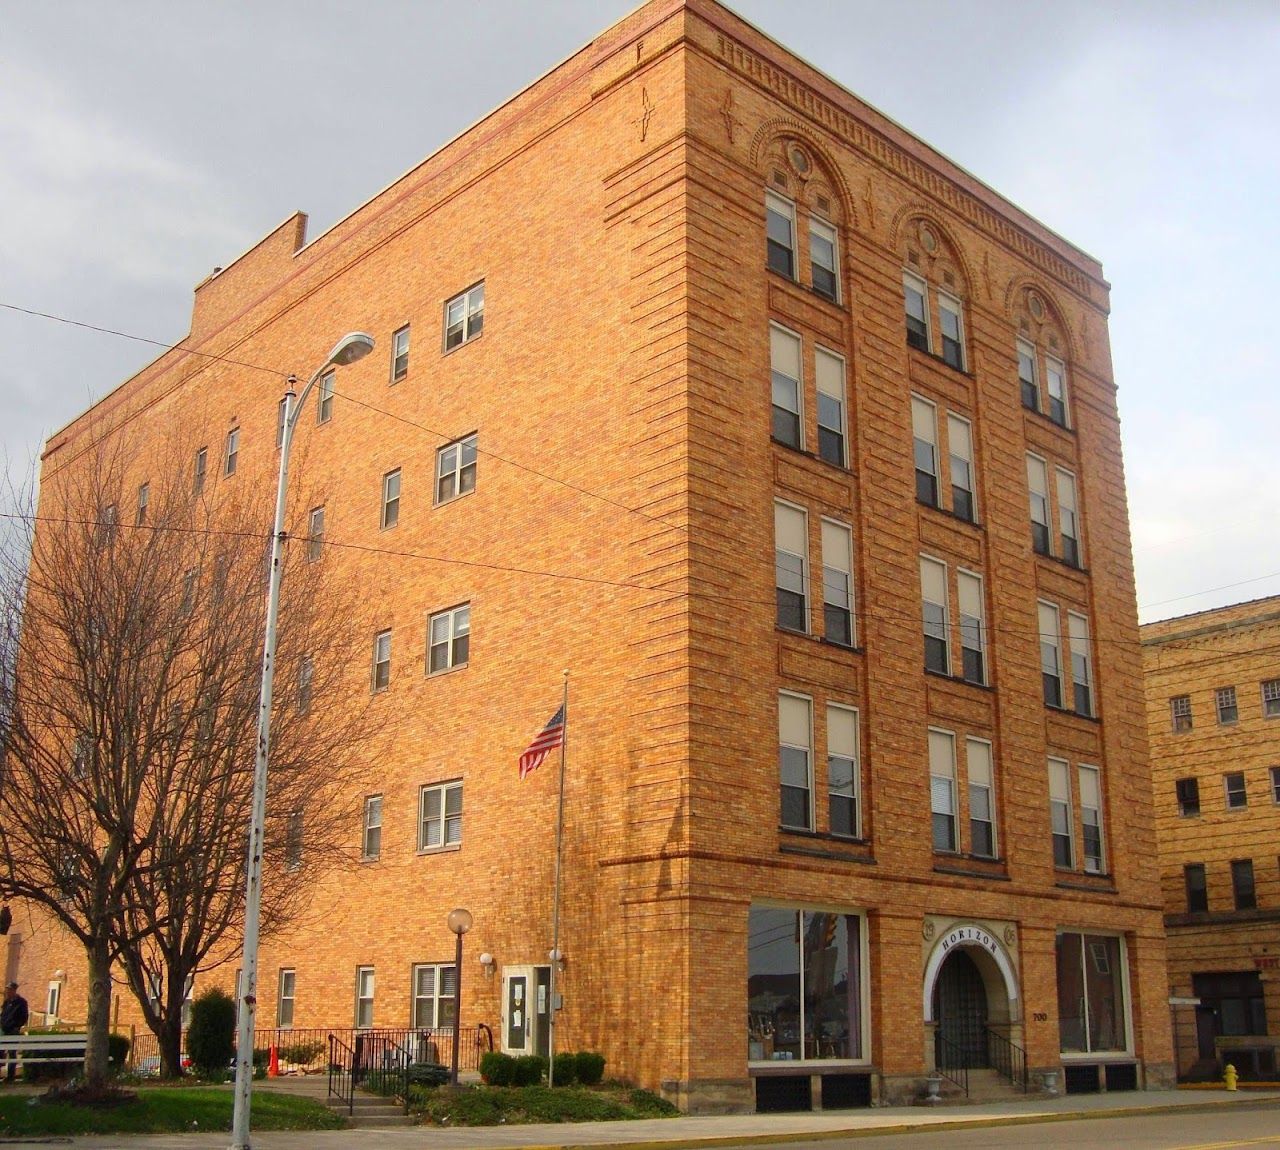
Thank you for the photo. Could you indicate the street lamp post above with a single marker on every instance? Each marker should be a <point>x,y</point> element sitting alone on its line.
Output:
<point>356,345</point>
<point>459,922</point>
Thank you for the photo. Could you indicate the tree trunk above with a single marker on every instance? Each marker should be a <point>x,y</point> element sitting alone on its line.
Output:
<point>170,1033</point>
<point>97,1014</point>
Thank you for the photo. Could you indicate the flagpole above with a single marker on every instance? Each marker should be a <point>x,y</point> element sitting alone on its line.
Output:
<point>555,903</point>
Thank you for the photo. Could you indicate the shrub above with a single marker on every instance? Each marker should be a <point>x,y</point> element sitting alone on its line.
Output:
<point>647,1103</point>
<point>530,1070</point>
<point>211,1037</point>
<point>590,1068</point>
<point>118,1051</point>
<point>301,1052</point>
<point>566,1069</point>
<point>428,1074</point>
<point>497,1069</point>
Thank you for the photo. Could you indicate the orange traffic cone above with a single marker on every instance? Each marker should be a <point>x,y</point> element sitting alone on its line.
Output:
<point>273,1067</point>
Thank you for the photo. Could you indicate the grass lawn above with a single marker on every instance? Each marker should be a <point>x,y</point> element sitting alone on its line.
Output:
<point>160,1110</point>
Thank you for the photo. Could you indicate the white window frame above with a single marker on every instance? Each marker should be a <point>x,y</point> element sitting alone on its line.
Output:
<point>286,992</point>
<point>231,454</point>
<point>1056,371</point>
<point>787,720</point>
<point>382,660</point>
<point>827,231</point>
<point>1026,352</point>
<point>949,305</point>
<point>390,511</point>
<point>456,462</point>
<point>783,527</point>
<point>780,377</point>
<point>980,775</point>
<point>53,1003</point>
<point>917,284</point>
<point>1038,502</point>
<point>428,999</point>
<point>829,375</point>
<point>201,470</point>
<point>1271,698</point>
<point>1081,646</point>
<point>1225,699</point>
<point>1090,1055</point>
<point>324,397</point>
<point>371,830</point>
<point>960,448</point>
<point>315,534</point>
<point>924,434</point>
<point>844,750</point>
<point>1090,782</point>
<point>1061,814</point>
<point>943,801</point>
<point>445,825</point>
<point>837,578</point>
<point>1049,624</point>
<point>464,315</point>
<point>144,498</point>
<point>1069,518</point>
<point>785,210</point>
<point>399,354</point>
<point>931,563</point>
<point>1180,713</point>
<point>1228,791</point>
<point>1275,784</point>
<point>366,987</point>
<point>449,632</point>
<point>970,593</point>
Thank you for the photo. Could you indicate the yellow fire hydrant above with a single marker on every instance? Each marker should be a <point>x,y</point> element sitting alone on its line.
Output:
<point>1229,1077</point>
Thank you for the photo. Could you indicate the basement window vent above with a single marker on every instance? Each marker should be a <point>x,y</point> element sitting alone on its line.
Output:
<point>780,177</point>
<point>948,279</point>
<point>913,257</point>
<point>824,204</point>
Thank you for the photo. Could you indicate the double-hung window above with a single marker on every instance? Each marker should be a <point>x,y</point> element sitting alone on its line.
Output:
<point>935,616</point>
<point>1228,709</point>
<point>440,816</point>
<point>324,398</point>
<point>371,832</point>
<point>1050,653</point>
<point>916,297</point>
<point>1081,663</point>
<point>1027,379</point>
<point>464,317</point>
<point>315,534</point>
<point>400,354</point>
<point>942,789</point>
<point>795,760</point>
<point>780,228</point>
<point>231,456</point>
<point>144,498</point>
<point>1180,708</point>
<point>382,661</point>
<point>1242,885</point>
<point>924,441</point>
<point>829,370</point>
<point>1038,489</point>
<point>786,386</point>
<point>973,646</point>
<point>201,469</point>
<point>791,566</point>
<point>837,583</point>
<point>449,639</point>
<point>1091,817</point>
<point>1193,878</point>
<point>1060,817</point>
<point>824,259</point>
<point>1275,785</point>
<point>286,992</point>
<point>960,444</point>
<point>456,469</point>
<point>435,995</point>
<point>982,805</point>
<point>1237,794</point>
<point>390,514</point>
<point>364,997</point>
<point>843,770</point>
<point>1055,377</point>
<point>1068,518</point>
<point>1187,792</point>
<point>1271,699</point>
<point>949,315</point>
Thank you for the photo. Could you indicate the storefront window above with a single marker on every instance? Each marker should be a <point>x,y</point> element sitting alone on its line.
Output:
<point>804,992</point>
<point>1091,1006</point>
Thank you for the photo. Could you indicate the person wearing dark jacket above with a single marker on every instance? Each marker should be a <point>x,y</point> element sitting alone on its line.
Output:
<point>13,1017</point>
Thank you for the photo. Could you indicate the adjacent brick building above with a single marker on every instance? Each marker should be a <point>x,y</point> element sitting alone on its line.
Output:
<point>1213,717</point>
<point>856,768</point>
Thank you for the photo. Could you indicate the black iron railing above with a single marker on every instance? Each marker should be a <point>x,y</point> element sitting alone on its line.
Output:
<point>342,1073</point>
<point>1007,1058</point>
<point>951,1061</point>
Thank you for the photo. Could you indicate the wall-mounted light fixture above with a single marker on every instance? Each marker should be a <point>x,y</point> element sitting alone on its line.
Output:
<point>557,956</point>
<point>489,963</point>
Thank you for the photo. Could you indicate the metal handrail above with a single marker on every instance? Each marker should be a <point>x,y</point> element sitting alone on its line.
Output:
<point>1007,1058</point>
<point>342,1073</point>
<point>951,1061</point>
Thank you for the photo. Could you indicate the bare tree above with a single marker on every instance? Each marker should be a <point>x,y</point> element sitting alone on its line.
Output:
<point>133,726</point>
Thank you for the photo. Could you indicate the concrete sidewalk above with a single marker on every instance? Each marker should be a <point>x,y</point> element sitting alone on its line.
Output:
<point>708,1131</point>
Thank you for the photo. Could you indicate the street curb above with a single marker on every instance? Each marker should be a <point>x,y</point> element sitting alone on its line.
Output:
<point>897,1128</point>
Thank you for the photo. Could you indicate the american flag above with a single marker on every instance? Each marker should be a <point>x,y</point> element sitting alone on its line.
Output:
<point>549,738</point>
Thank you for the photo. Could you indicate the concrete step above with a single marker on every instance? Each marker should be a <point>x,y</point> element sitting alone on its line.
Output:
<point>369,1110</point>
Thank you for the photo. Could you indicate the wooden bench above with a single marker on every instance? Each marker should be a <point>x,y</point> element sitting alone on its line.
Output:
<point>42,1049</point>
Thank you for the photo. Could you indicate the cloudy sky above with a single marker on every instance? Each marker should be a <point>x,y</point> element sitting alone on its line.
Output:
<point>144,142</point>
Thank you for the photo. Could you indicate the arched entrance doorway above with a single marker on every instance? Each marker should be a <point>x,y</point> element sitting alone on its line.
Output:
<point>960,1011</point>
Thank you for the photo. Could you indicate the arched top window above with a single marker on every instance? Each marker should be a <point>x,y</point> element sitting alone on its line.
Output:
<point>934,290</point>
<point>1042,356</point>
<point>803,216</point>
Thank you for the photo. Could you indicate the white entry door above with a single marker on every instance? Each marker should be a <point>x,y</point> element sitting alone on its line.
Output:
<point>517,1021</point>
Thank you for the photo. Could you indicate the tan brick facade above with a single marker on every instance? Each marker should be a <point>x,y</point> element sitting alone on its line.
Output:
<point>622,527</point>
<point>1213,718</point>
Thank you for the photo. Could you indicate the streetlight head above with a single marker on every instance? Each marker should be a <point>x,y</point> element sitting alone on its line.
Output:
<point>459,921</point>
<point>351,347</point>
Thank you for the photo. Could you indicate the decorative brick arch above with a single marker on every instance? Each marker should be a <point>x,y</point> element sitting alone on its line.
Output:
<point>969,934</point>
<point>900,237</point>
<point>785,127</point>
<point>1018,304</point>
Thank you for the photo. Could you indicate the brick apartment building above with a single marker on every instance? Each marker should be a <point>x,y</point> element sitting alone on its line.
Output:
<point>857,775</point>
<point>1213,717</point>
